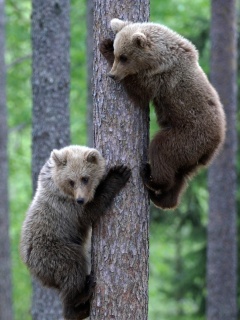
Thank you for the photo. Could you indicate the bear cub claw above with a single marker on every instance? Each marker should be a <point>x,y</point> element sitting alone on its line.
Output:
<point>145,171</point>
<point>90,283</point>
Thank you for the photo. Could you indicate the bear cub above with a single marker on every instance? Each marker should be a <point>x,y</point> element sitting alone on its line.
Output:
<point>73,192</point>
<point>156,64</point>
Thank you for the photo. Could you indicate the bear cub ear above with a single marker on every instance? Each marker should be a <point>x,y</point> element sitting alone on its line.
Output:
<point>117,25</point>
<point>59,157</point>
<point>92,157</point>
<point>139,39</point>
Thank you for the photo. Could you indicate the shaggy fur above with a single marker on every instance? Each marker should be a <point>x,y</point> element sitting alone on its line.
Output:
<point>72,194</point>
<point>156,64</point>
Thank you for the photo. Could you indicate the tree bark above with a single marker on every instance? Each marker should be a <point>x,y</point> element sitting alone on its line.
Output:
<point>90,45</point>
<point>50,87</point>
<point>222,238</point>
<point>5,265</point>
<point>120,240</point>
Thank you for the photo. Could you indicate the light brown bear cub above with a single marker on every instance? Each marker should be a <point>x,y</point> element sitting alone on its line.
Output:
<point>73,192</point>
<point>156,64</point>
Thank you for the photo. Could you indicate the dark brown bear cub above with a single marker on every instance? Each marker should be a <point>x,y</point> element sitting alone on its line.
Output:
<point>156,64</point>
<point>73,192</point>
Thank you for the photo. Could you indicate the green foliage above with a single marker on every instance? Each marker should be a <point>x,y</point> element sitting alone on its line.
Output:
<point>18,59</point>
<point>190,19</point>
<point>20,193</point>
<point>78,93</point>
<point>178,257</point>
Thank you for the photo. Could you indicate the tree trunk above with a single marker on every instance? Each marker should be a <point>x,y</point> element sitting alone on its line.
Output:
<point>50,86</point>
<point>222,241</point>
<point>120,240</point>
<point>5,265</point>
<point>90,4</point>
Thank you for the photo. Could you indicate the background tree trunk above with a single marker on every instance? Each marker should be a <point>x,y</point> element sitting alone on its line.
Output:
<point>120,240</point>
<point>50,86</point>
<point>5,264</point>
<point>222,241</point>
<point>90,45</point>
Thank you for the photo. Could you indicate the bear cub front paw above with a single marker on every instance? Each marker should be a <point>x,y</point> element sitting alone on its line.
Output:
<point>106,46</point>
<point>120,174</point>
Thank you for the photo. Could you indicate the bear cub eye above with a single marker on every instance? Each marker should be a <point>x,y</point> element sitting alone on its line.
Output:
<point>72,183</point>
<point>123,58</point>
<point>85,180</point>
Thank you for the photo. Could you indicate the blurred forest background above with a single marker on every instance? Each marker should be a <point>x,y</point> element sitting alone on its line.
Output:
<point>177,286</point>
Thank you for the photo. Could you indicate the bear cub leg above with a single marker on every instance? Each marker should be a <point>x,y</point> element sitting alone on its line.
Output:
<point>77,306</point>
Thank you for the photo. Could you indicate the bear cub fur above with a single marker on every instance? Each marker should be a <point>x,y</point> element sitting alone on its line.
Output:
<point>73,192</point>
<point>156,64</point>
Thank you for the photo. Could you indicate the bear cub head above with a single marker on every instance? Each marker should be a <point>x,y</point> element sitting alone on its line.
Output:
<point>131,50</point>
<point>77,171</point>
<point>147,49</point>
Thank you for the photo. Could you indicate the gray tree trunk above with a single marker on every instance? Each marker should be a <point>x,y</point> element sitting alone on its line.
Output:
<point>120,241</point>
<point>5,264</point>
<point>90,4</point>
<point>222,239</point>
<point>50,87</point>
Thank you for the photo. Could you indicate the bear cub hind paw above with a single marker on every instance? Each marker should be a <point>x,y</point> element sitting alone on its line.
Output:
<point>77,313</point>
<point>87,293</point>
<point>145,173</point>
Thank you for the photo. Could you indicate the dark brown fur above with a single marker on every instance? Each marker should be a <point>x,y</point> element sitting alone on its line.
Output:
<point>161,66</point>
<point>57,225</point>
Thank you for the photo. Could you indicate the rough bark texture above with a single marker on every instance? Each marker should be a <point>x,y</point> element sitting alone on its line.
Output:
<point>120,240</point>
<point>50,86</point>
<point>90,45</point>
<point>222,242</point>
<point>5,265</point>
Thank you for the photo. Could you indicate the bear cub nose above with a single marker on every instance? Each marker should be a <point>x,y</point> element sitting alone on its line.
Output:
<point>80,200</point>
